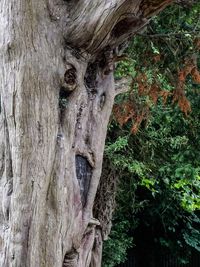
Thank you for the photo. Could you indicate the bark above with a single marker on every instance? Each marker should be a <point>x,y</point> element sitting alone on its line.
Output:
<point>57,91</point>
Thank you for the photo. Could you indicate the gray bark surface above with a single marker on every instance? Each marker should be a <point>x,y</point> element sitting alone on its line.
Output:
<point>57,92</point>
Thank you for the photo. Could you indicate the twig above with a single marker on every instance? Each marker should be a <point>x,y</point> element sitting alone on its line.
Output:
<point>167,35</point>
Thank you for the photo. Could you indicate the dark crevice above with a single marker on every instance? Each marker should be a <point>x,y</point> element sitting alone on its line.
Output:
<point>63,98</point>
<point>102,100</point>
<point>70,75</point>
<point>100,65</point>
<point>2,166</point>
<point>90,77</point>
<point>69,84</point>
<point>8,156</point>
<point>8,190</point>
<point>125,26</point>
<point>71,258</point>
<point>106,61</point>
<point>87,140</point>
<point>105,57</point>
<point>63,102</point>
<point>10,187</point>
<point>84,175</point>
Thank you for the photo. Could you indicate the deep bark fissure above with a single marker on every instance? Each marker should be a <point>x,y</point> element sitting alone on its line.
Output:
<point>8,169</point>
<point>71,258</point>
<point>83,174</point>
<point>90,77</point>
<point>63,98</point>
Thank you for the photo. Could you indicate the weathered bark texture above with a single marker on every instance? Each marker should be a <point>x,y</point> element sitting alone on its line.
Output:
<point>57,91</point>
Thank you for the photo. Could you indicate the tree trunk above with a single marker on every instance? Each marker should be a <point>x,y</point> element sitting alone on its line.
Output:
<point>57,91</point>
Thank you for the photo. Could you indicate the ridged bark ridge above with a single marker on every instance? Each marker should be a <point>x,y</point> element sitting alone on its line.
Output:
<point>57,91</point>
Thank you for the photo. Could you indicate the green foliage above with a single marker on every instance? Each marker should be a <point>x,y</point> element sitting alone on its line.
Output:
<point>126,68</point>
<point>192,237</point>
<point>159,177</point>
<point>116,246</point>
<point>158,168</point>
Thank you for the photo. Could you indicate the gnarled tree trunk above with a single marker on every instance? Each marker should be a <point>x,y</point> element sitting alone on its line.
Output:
<point>57,91</point>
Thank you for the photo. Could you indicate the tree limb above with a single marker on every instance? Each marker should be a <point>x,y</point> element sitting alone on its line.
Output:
<point>122,85</point>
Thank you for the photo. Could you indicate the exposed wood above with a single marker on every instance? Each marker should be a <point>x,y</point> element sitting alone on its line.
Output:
<point>122,85</point>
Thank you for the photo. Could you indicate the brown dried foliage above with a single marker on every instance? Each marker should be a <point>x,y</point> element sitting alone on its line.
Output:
<point>190,68</point>
<point>152,90</point>
<point>124,112</point>
<point>197,43</point>
<point>132,111</point>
